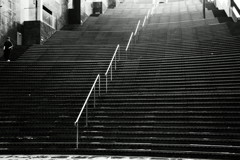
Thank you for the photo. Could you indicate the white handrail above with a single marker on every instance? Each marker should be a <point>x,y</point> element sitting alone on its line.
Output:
<point>89,94</point>
<point>129,41</point>
<point>137,28</point>
<point>144,21</point>
<point>148,14</point>
<point>112,59</point>
<point>110,65</point>
<point>152,10</point>
<point>85,104</point>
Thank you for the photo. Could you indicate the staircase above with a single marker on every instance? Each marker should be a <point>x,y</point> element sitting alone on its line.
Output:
<point>176,95</point>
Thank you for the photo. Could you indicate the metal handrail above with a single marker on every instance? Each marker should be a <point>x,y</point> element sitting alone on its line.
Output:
<point>137,28</point>
<point>129,42</point>
<point>85,105</point>
<point>144,21</point>
<point>110,65</point>
<point>148,14</point>
<point>136,32</point>
<point>153,8</point>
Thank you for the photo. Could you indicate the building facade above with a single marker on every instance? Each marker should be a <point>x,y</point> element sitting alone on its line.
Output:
<point>33,21</point>
<point>9,18</point>
<point>231,7</point>
<point>14,14</point>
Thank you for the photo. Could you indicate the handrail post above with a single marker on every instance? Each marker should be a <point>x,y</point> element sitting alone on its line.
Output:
<point>85,106</point>
<point>128,45</point>
<point>126,55</point>
<point>135,39</point>
<point>152,10</point>
<point>136,32</point>
<point>119,54</point>
<point>86,115</point>
<point>144,21</point>
<point>148,16</point>
<point>77,136</point>
<point>111,72</point>
<point>106,83</point>
<point>94,96</point>
<point>99,86</point>
<point>115,63</point>
<point>110,66</point>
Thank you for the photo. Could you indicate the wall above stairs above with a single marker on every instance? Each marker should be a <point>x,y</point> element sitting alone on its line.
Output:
<point>36,32</point>
<point>231,7</point>
<point>224,4</point>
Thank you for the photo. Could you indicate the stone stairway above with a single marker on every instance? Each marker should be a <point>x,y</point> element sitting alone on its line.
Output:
<point>43,91</point>
<point>171,104</point>
<point>175,95</point>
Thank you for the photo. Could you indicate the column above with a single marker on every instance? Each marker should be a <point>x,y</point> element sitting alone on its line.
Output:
<point>39,9</point>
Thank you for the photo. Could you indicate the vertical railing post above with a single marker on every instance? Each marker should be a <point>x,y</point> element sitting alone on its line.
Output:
<point>115,62</point>
<point>86,115</point>
<point>99,85</point>
<point>148,14</point>
<point>94,90</point>
<point>135,39</point>
<point>129,48</point>
<point>119,57</point>
<point>85,106</point>
<point>77,135</point>
<point>111,72</point>
<point>110,66</point>
<point>128,45</point>
<point>126,54</point>
<point>106,83</point>
<point>153,9</point>
<point>144,21</point>
<point>136,32</point>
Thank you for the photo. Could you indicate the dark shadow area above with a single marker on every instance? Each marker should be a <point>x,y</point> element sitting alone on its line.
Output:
<point>224,19</point>
<point>219,13</point>
<point>16,53</point>
<point>234,28</point>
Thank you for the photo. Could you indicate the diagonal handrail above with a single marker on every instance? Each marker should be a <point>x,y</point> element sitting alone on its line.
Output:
<point>110,65</point>
<point>135,33</point>
<point>129,42</point>
<point>152,11</point>
<point>145,18</point>
<point>148,14</point>
<point>86,106</point>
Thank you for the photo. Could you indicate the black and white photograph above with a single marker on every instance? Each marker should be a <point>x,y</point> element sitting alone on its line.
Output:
<point>119,79</point>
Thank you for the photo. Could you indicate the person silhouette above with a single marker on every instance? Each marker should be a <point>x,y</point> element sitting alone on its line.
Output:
<point>8,46</point>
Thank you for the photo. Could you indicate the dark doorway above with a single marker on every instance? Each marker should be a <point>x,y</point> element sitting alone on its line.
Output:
<point>97,8</point>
